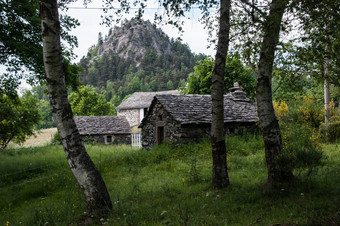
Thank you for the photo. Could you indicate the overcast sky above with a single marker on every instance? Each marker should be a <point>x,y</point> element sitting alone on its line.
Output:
<point>87,33</point>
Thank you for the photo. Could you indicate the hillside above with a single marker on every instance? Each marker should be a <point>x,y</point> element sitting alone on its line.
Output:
<point>136,57</point>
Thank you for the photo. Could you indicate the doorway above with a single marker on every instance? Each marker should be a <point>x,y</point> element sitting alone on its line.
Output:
<point>160,134</point>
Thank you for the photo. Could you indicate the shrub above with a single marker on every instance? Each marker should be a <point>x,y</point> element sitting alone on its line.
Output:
<point>309,111</point>
<point>88,140</point>
<point>299,121</point>
<point>301,147</point>
<point>331,130</point>
<point>56,139</point>
<point>281,108</point>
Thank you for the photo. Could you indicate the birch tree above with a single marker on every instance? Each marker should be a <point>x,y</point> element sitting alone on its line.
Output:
<point>220,178</point>
<point>268,121</point>
<point>84,170</point>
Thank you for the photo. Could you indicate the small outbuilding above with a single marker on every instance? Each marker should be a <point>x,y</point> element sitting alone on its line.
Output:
<point>186,118</point>
<point>104,129</point>
<point>136,106</point>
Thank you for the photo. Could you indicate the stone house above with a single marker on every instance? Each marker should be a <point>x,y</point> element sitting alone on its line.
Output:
<point>136,106</point>
<point>104,129</point>
<point>185,118</point>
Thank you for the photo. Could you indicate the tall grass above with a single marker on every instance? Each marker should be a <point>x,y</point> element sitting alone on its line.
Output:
<point>168,185</point>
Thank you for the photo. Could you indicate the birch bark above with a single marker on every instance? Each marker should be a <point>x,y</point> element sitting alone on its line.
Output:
<point>220,178</point>
<point>84,170</point>
<point>268,121</point>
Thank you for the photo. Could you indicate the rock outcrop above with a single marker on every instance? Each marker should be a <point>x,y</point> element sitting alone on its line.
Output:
<point>132,40</point>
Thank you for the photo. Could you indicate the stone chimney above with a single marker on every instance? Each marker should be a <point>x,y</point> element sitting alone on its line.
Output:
<point>238,93</point>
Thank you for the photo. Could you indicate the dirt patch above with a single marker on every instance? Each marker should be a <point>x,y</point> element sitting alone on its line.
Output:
<point>42,137</point>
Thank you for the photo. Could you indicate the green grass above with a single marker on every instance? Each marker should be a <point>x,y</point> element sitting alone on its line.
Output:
<point>169,185</point>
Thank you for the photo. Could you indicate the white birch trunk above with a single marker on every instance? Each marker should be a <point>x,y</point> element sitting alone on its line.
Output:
<point>220,178</point>
<point>268,121</point>
<point>82,167</point>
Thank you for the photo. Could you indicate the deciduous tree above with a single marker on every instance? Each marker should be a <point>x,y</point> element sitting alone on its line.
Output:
<point>268,121</point>
<point>18,118</point>
<point>20,44</point>
<point>220,173</point>
<point>199,82</point>
<point>87,102</point>
<point>84,170</point>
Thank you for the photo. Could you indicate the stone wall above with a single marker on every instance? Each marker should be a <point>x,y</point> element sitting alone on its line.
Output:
<point>240,127</point>
<point>192,133</point>
<point>116,139</point>
<point>159,117</point>
<point>122,139</point>
<point>132,116</point>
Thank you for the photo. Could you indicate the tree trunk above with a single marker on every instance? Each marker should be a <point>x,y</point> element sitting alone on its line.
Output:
<point>326,91</point>
<point>82,167</point>
<point>326,94</point>
<point>268,121</point>
<point>220,177</point>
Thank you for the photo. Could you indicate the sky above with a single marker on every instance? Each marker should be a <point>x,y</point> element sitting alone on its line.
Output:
<point>87,33</point>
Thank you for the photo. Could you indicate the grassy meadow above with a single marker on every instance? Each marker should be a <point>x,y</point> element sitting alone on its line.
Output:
<point>168,185</point>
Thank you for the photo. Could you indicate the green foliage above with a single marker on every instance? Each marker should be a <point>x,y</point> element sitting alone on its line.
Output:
<point>87,102</point>
<point>158,187</point>
<point>306,110</point>
<point>56,139</point>
<point>299,123</point>
<point>18,117</point>
<point>199,82</point>
<point>331,129</point>
<point>72,74</point>
<point>46,115</point>
<point>21,49</point>
<point>244,145</point>
<point>47,121</point>
<point>301,147</point>
<point>321,40</point>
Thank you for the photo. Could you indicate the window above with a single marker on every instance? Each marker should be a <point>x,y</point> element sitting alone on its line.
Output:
<point>160,134</point>
<point>145,111</point>
<point>108,139</point>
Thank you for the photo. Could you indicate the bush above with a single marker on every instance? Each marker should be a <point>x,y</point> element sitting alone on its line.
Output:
<point>331,130</point>
<point>56,139</point>
<point>299,121</point>
<point>301,147</point>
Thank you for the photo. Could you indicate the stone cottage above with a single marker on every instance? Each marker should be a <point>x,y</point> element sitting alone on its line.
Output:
<point>104,129</point>
<point>185,118</point>
<point>136,106</point>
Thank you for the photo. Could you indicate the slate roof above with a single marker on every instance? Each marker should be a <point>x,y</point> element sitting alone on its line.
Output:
<point>96,125</point>
<point>141,99</point>
<point>196,109</point>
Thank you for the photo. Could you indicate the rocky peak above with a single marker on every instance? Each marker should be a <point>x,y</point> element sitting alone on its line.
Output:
<point>133,39</point>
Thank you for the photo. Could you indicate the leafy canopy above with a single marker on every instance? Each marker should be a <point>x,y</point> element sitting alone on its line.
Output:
<point>18,118</point>
<point>199,82</point>
<point>87,102</point>
<point>21,52</point>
